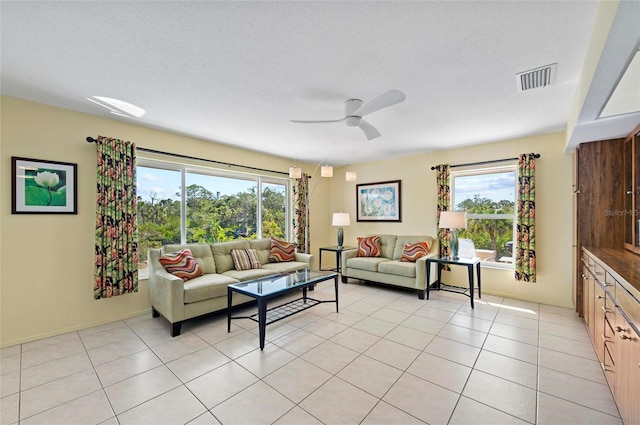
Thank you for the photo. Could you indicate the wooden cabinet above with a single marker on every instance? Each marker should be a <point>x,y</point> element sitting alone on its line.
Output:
<point>627,384</point>
<point>613,320</point>
<point>600,197</point>
<point>632,191</point>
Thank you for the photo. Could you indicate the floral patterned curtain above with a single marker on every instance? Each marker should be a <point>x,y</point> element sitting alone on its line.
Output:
<point>301,214</point>
<point>525,219</point>
<point>116,250</point>
<point>444,204</point>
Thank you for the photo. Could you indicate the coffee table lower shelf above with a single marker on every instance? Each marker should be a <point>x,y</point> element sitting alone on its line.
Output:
<point>284,310</point>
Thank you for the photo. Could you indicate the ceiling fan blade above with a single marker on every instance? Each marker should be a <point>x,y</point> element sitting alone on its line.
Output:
<point>370,131</point>
<point>318,122</point>
<point>384,100</point>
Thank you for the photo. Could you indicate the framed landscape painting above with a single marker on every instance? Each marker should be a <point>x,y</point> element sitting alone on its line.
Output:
<point>379,201</point>
<point>43,187</point>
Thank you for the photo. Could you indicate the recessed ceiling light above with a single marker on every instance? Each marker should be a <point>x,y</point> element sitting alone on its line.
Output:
<point>117,106</point>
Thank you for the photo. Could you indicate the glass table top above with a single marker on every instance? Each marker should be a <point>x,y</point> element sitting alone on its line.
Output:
<point>270,285</point>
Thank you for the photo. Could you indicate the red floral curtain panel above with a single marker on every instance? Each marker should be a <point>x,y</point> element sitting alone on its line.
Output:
<point>301,214</point>
<point>444,204</point>
<point>116,249</point>
<point>525,219</point>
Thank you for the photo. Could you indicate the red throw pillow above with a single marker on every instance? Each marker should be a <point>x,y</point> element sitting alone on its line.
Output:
<point>413,251</point>
<point>369,246</point>
<point>182,264</point>
<point>282,251</point>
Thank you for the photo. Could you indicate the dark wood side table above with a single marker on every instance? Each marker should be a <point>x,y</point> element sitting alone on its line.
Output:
<point>338,251</point>
<point>468,262</point>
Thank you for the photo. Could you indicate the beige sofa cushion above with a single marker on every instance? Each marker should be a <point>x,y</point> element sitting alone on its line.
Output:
<point>401,241</point>
<point>222,253</point>
<point>287,266</point>
<point>262,247</point>
<point>200,251</point>
<point>248,274</point>
<point>398,268</point>
<point>366,263</point>
<point>387,245</point>
<point>206,286</point>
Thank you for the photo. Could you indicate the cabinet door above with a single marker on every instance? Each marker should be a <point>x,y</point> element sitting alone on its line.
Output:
<point>627,359</point>
<point>598,322</point>
<point>587,300</point>
<point>636,195</point>
<point>629,219</point>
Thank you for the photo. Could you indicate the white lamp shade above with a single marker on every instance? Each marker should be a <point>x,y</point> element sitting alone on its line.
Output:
<point>326,171</point>
<point>350,176</point>
<point>453,220</point>
<point>341,219</point>
<point>295,172</point>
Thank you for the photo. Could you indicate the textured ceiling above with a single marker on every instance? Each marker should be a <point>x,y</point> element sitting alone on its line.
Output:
<point>237,72</point>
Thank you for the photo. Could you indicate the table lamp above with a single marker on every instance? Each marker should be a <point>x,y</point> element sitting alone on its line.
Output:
<point>340,219</point>
<point>453,220</point>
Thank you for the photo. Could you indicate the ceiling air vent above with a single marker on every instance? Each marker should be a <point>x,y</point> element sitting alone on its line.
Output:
<point>539,77</point>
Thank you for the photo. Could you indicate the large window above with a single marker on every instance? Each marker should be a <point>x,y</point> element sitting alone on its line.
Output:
<point>488,196</point>
<point>214,206</point>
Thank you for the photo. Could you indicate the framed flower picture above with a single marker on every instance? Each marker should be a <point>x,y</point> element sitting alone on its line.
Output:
<point>43,187</point>
<point>379,201</point>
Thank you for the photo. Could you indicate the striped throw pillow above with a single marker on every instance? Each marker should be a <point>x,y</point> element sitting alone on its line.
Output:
<point>281,251</point>
<point>369,246</point>
<point>413,251</point>
<point>245,259</point>
<point>182,264</point>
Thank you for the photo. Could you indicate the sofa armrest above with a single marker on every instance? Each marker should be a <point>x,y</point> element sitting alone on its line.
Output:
<point>304,258</point>
<point>165,290</point>
<point>350,253</point>
<point>433,253</point>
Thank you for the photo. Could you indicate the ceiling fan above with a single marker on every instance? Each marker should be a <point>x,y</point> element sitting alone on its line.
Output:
<point>355,109</point>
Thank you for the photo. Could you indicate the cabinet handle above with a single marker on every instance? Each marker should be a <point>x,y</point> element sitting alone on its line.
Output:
<point>625,337</point>
<point>599,297</point>
<point>605,368</point>
<point>629,192</point>
<point>584,276</point>
<point>606,310</point>
<point>619,329</point>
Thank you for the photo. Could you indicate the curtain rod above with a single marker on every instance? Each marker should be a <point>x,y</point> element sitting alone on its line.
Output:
<point>536,155</point>
<point>92,140</point>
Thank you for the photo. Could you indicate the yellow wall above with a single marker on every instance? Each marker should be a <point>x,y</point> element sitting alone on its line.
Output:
<point>46,267</point>
<point>554,213</point>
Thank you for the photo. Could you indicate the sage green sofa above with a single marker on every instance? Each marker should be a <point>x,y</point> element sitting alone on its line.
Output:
<point>387,268</point>
<point>178,301</point>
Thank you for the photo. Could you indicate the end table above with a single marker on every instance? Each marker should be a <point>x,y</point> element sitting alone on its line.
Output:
<point>338,250</point>
<point>468,262</point>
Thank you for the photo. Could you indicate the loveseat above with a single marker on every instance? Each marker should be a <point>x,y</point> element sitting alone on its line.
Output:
<point>178,300</point>
<point>388,268</point>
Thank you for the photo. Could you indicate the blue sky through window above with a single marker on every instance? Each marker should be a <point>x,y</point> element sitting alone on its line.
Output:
<point>495,186</point>
<point>166,183</point>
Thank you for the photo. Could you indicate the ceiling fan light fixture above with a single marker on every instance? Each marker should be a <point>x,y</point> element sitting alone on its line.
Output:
<point>350,176</point>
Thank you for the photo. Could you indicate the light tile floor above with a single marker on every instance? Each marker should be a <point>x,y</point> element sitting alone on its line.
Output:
<point>386,358</point>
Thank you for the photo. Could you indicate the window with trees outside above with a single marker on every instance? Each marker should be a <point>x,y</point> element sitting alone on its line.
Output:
<point>215,206</point>
<point>488,196</point>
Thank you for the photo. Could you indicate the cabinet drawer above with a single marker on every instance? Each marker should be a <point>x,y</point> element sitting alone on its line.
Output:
<point>628,304</point>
